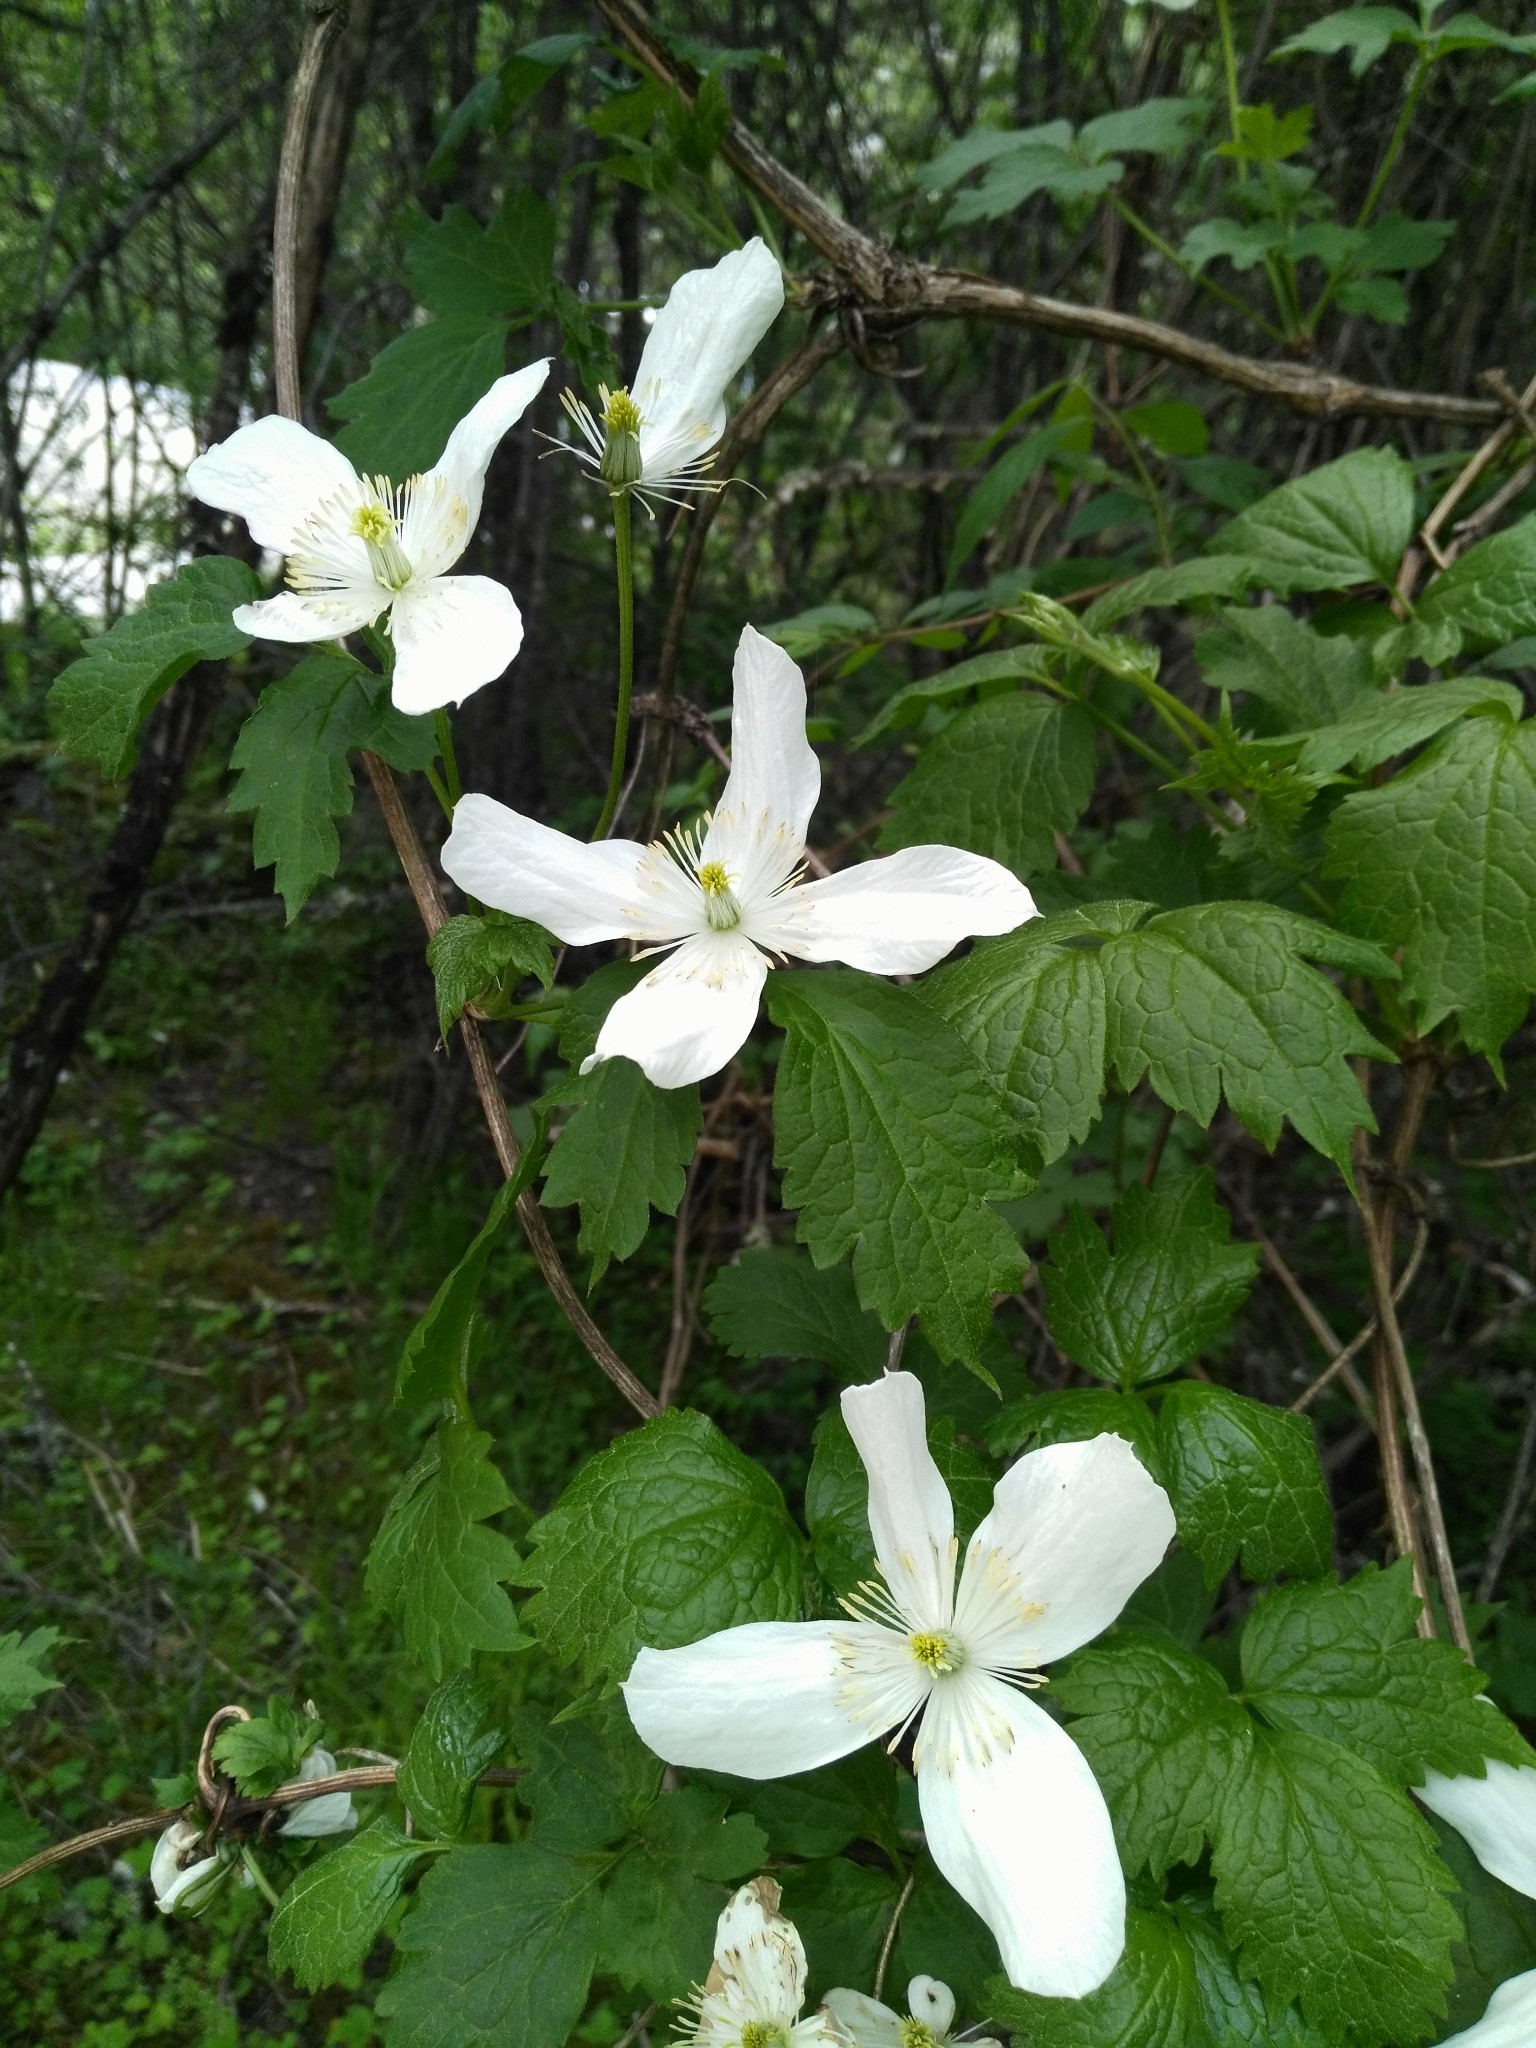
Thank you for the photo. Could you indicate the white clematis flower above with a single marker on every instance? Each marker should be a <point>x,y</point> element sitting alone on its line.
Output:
<point>753,1994</point>
<point>731,895</point>
<point>1013,1815</point>
<point>658,437</point>
<point>929,2022</point>
<point>333,1815</point>
<point>182,1880</point>
<point>1496,1816</point>
<point>357,546</point>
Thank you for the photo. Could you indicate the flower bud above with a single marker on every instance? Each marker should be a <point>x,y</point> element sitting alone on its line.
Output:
<point>182,1881</point>
<point>332,1815</point>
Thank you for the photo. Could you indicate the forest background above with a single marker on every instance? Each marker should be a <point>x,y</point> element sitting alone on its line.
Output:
<point>240,1160</point>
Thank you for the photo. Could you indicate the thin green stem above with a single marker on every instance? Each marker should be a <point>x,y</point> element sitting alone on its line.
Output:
<point>259,1877</point>
<point>624,561</point>
<point>1229,66</point>
<point>1153,756</point>
<point>1166,250</point>
<point>1394,148</point>
<point>440,791</point>
<point>450,760</point>
<point>1154,495</point>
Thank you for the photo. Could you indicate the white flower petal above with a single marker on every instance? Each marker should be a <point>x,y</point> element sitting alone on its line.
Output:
<point>761,1701</point>
<point>932,2002</point>
<point>452,634</point>
<point>1509,2022</point>
<point>581,893</point>
<point>712,321</point>
<point>759,1957</point>
<point>1025,1838</point>
<point>333,1815</point>
<point>274,474</point>
<point>1496,1815</point>
<point>911,1516</point>
<point>902,914</point>
<point>691,1013</point>
<point>296,615</point>
<point>865,2021</point>
<point>171,1879</point>
<point>1074,1529</point>
<point>475,439</point>
<point>759,827</point>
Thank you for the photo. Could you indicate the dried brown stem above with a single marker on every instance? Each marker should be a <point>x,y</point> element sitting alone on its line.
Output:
<point>324,25</point>
<point>1516,1504</point>
<point>1343,1361</point>
<point>891,1932</point>
<point>429,904</point>
<point>873,279</point>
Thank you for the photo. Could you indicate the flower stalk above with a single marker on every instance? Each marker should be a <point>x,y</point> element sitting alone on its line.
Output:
<point>623,552</point>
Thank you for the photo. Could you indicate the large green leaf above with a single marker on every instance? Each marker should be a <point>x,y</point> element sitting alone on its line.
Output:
<point>842,1911</point>
<point>292,757</point>
<point>333,1912</point>
<point>893,1144</point>
<point>1441,863</point>
<point>1401,719</point>
<point>586,1781</point>
<point>1309,678</point>
<point>1489,593</point>
<point>1000,779</point>
<point>432,1564</point>
<point>817,1813</point>
<point>1165,1739</point>
<point>1236,2010</point>
<point>1244,1480</point>
<point>1151,2001</point>
<point>98,703</point>
<point>1346,1662</point>
<point>399,416</point>
<point>1345,523</point>
<point>434,1364</point>
<point>1074,1416</point>
<point>506,270</point>
<point>663,1902</point>
<point>624,1151</point>
<point>1208,1000</point>
<point>1328,1883</point>
<point>778,1304</point>
<point>664,1537</point>
<point>498,1952</point>
<point>1165,1293</point>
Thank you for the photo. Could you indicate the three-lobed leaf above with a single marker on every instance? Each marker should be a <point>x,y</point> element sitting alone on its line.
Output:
<point>893,1144</point>
<point>624,1151</point>
<point>1163,1295</point>
<point>667,1535</point>
<point>433,1565</point>
<point>98,703</point>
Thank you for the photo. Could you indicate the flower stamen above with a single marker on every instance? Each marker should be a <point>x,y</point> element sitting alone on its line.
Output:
<point>918,2034</point>
<point>377,527</point>
<point>936,1653</point>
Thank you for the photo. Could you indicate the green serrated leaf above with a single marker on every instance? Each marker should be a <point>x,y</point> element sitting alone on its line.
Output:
<point>432,1565</point>
<point>292,757</point>
<point>1074,1416</point>
<point>818,1813</point>
<point>1001,779</point>
<point>1345,523</point>
<point>1151,2001</point>
<point>449,1748</point>
<point>1165,1739</point>
<point>624,1152</point>
<point>837,1497</point>
<point>475,958</point>
<point>399,416</point>
<point>1244,1479</point>
<point>1163,1296</point>
<point>1366,32</point>
<point>497,1953</point>
<point>24,1676</point>
<point>1329,1887</point>
<point>1345,1662</point>
<point>1310,678</point>
<point>892,1142</point>
<point>842,1911</point>
<point>776,1304</point>
<point>504,271</point>
<point>264,1752</point>
<point>664,1537</point>
<point>435,1361</point>
<point>588,1781</point>
<point>658,1923</point>
<point>1235,2008</point>
<point>1204,576</point>
<point>333,1912</point>
<point>1441,864</point>
<point>991,673</point>
<point>1403,719</point>
<point>98,703</point>
<point>1489,593</point>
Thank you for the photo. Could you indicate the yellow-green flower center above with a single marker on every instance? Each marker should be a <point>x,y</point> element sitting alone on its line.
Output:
<point>936,1653</point>
<point>621,464</point>
<point>720,905</point>
<point>918,2034</point>
<point>763,2034</point>
<point>376,527</point>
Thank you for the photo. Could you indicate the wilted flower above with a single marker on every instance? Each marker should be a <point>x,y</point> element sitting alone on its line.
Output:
<point>184,1881</point>
<point>731,895</point>
<point>1014,1818</point>
<point>657,438</point>
<point>753,1994</point>
<point>358,546</point>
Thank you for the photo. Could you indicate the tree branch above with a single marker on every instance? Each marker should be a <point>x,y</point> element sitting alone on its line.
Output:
<point>873,277</point>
